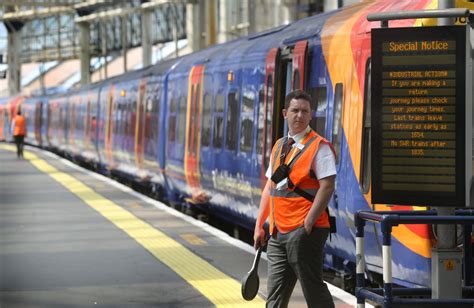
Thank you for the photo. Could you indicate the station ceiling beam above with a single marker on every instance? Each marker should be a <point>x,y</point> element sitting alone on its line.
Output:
<point>37,13</point>
<point>39,3</point>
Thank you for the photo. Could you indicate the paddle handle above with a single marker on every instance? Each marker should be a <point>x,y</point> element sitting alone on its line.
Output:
<point>257,259</point>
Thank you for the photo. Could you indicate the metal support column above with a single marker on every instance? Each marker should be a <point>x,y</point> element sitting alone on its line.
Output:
<point>175,29</point>
<point>289,11</point>
<point>194,26</point>
<point>103,39</point>
<point>224,22</point>
<point>14,58</point>
<point>124,42</point>
<point>85,55</point>
<point>146,38</point>
<point>211,26</point>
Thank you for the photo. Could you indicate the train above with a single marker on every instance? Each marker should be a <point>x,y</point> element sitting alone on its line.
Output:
<point>198,129</point>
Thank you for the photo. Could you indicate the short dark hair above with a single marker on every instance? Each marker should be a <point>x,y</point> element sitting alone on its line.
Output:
<point>18,112</point>
<point>297,94</point>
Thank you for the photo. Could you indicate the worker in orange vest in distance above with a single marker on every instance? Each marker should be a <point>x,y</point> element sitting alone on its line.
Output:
<point>19,132</point>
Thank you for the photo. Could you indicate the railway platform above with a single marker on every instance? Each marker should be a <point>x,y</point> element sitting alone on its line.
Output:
<point>70,237</point>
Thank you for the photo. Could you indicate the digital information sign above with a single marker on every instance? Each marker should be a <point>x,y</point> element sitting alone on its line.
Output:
<point>421,116</point>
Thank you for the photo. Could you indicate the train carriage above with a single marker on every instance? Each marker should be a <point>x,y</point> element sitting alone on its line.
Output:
<point>200,128</point>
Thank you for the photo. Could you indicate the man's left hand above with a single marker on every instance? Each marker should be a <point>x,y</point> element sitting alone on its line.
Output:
<point>308,224</point>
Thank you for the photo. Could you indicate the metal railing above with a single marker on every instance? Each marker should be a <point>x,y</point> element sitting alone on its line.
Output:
<point>391,297</point>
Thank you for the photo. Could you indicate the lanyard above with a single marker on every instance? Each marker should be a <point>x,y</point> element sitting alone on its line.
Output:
<point>294,152</point>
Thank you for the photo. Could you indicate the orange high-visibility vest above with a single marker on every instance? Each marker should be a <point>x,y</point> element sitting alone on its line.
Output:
<point>288,209</point>
<point>20,127</point>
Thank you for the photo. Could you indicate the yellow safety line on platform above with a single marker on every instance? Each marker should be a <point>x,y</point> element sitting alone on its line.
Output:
<point>215,285</point>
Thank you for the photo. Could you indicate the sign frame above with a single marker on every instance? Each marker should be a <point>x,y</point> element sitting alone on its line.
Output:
<point>402,47</point>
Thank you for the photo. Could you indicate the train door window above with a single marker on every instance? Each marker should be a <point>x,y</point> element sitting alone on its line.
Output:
<point>172,121</point>
<point>261,116</point>
<point>147,117</point>
<point>182,118</point>
<point>155,109</point>
<point>127,116</point>
<point>219,122</point>
<point>194,118</point>
<point>337,119</point>
<point>232,120</point>
<point>206,121</point>
<point>133,116</point>
<point>296,79</point>
<point>246,117</point>
<point>268,137</point>
<point>319,107</point>
<point>116,115</point>
<point>365,167</point>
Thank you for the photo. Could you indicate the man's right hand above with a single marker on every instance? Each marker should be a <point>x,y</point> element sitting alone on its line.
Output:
<point>259,237</point>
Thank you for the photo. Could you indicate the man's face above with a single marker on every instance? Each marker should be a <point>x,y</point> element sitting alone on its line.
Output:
<point>298,115</point>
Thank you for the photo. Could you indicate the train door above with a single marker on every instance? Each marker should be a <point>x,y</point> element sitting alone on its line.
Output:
<point>140,124</point>
<point>87,126</point>
<point>299,65</point>
<point>38,122</point>
<point>109,125</point>
<point>193,124</point>
<point>285,70</point>
<point>49,122</point>
<point>73,105</point>
<point>299,75</point>
<point>93,118</point>
<point>272,116</point>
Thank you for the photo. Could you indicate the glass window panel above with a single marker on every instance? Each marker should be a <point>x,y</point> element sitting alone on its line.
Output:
<point>182,120</point>
<point>232,120</point>
<point>206,121</point>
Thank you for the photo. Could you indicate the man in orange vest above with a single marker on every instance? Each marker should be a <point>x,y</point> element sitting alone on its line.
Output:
<point>19,132</point>
<point>301,180</point>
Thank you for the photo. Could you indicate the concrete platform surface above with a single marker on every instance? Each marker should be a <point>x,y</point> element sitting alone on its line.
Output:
<point>73,238</point>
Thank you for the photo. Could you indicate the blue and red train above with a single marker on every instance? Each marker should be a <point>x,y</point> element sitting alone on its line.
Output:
<point>200,128</point>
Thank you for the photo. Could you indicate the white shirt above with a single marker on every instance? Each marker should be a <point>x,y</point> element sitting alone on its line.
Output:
<point>324,162</point>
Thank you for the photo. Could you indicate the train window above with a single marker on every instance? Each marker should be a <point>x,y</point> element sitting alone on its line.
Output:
<point>365,166</point>
<point>206,121</point>
<point>116,115</point>
<point>131,117</point>
<point>246,127</point>
<point>261,115</point>
<point>152,117</point>
<point>337,120</point>
<point>220,103</point>
<point>319,106</point>
<point>172,121</point>
<point>218,122</point>
<point>232,120</point>
<point>182,119</point>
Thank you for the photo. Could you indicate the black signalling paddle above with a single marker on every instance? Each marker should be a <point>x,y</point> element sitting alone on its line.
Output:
<point>250,282</point>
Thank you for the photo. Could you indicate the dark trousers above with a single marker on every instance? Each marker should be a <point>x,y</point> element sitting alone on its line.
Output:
<point>297,256</point>
<point>19,140</point>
